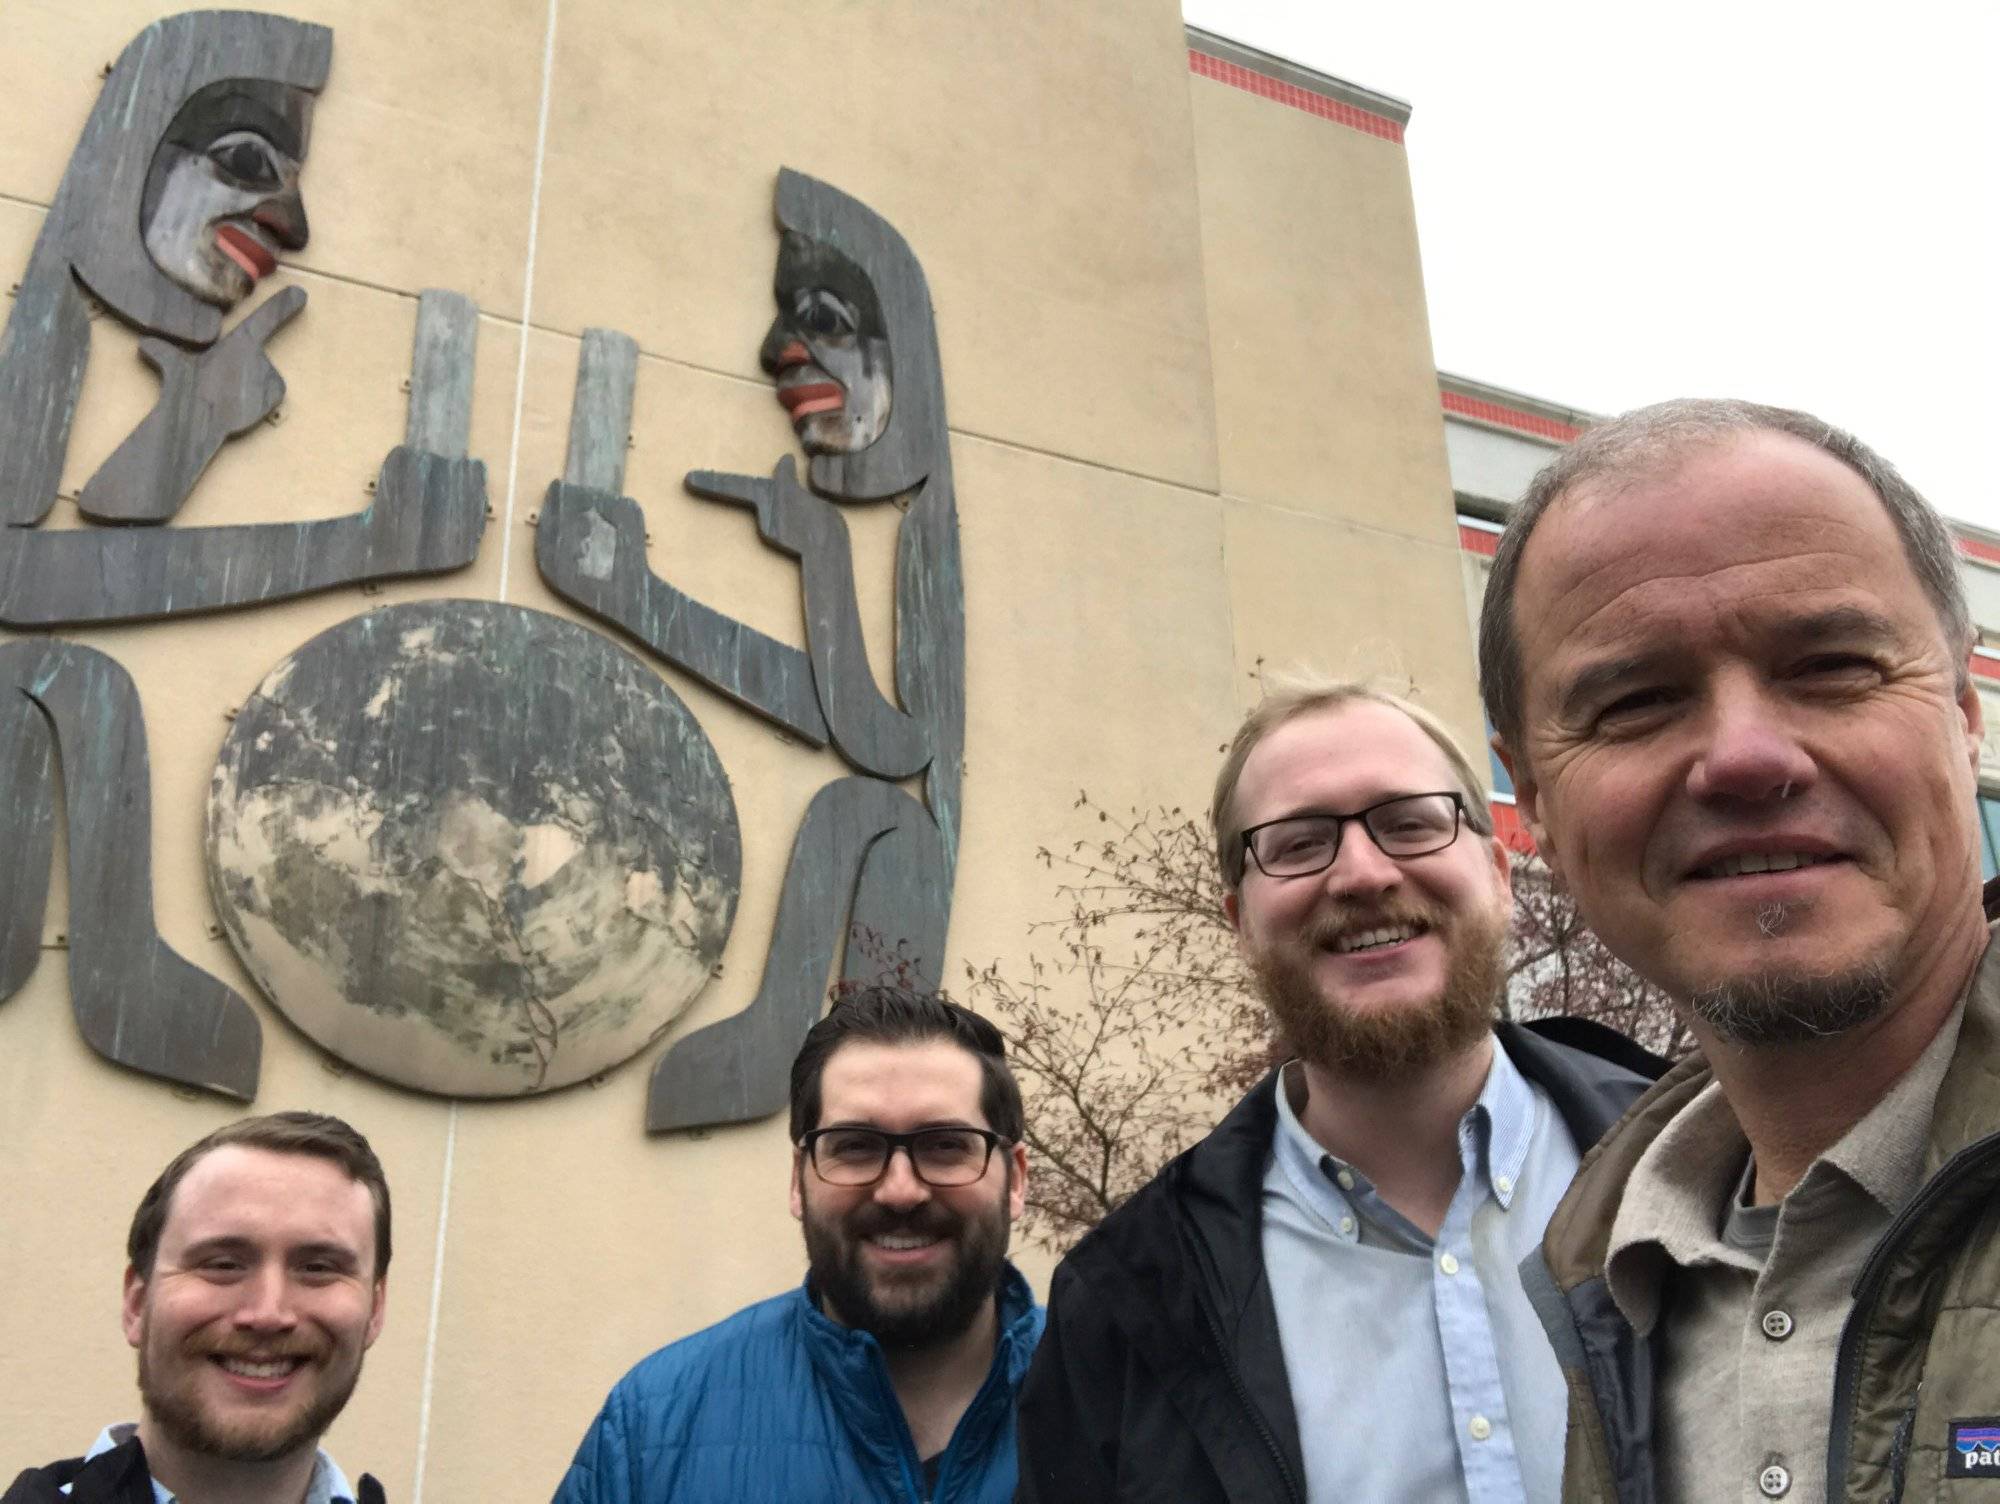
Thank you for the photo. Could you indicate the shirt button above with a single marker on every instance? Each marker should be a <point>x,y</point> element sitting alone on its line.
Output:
<point>1344,1179</point>
<point>1777,1325</point>
<point>1503,1183</point>
<point>1347,1227</point>
<point>1774,1481</point>
<point>1448,1263</point>
<point>1480,1427</point>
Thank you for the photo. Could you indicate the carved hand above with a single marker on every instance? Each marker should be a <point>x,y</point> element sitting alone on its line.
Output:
<point>234,380</point>
<point>785,509</point>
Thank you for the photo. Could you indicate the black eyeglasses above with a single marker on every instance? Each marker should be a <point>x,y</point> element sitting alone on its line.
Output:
<point>1408,825</point>
<point>940,1157</point>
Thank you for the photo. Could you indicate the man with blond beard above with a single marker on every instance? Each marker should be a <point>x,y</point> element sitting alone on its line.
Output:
<point>1318,1302</point>
<point>256,1281</point>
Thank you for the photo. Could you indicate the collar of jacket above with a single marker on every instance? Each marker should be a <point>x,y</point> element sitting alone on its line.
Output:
<point>1967,1110</point>
<point>849,1364</point>
<point>1591,1337</point>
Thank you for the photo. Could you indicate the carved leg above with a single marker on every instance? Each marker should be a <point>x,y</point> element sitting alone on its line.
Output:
<point>27,826</point>
<point>137,1001</point>
<point>865,847</point>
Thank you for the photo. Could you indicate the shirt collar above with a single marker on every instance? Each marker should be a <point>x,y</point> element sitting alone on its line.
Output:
<point>1494,1137</point>
<point>1680,1189</point>
<point>329,1484</point>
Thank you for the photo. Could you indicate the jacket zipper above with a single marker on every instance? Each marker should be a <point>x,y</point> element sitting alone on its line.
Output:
<point>1868,1288</point>
<point>1243,1399</point>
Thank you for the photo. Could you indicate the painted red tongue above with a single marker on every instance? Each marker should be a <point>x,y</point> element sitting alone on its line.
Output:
<point>810,397</point>
<point>246,250</point>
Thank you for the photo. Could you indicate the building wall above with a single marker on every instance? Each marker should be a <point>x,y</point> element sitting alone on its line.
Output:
<point>1195,431</point>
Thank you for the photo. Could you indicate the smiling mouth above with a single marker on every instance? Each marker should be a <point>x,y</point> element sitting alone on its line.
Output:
<point>1752,863</point>
<point>1379,938</point>
<point>247,249</point>
<point>257,1368</point>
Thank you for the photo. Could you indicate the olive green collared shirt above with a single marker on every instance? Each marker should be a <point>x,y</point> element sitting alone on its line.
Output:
<point>1751,1300</point>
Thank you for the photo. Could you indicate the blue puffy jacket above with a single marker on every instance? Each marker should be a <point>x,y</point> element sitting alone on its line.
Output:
<point>780,1404</point>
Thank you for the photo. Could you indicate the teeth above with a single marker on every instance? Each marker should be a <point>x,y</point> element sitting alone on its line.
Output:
<point>1736,866</point>
<point>1368,939</point>
<point>274,1368</point>
<point>903,1240</point>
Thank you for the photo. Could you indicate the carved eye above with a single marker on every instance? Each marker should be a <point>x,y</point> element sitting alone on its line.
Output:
<point>822,313</point>
<point>249,159</point>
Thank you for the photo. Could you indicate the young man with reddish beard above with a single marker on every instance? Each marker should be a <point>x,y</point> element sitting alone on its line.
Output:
<point>1318,1302</point>
<point>255,1284</point>
<point>891,1374</point>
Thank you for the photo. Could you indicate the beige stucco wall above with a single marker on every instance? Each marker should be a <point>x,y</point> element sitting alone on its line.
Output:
<point>1194,425</point>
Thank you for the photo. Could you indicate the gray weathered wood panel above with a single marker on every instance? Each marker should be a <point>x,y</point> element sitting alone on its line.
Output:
<point>440,415</point>
<point>91,236</point>
<point>27,831</point>
<point>600,413</point>
<point>475,849</point>
<point>868,861</point>
<point>206,399</point>
<point>427,517</point>
<point>137,1001</point>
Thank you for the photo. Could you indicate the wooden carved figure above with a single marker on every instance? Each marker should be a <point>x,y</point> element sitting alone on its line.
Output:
<point>854,353</point>
<point>180,196</point>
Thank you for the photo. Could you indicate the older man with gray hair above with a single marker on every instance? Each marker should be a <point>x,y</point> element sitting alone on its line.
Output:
<point>1724,649</point>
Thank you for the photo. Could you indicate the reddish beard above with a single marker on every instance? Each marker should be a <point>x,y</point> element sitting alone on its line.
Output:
<point>1390,1044</point>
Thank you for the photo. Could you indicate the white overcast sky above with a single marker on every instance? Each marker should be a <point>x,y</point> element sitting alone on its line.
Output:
<point>1790,202</point>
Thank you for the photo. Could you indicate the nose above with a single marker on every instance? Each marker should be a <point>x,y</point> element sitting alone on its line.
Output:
<point>1360,866</point>
<point>899,1186</point>
<point>266,1301</point>
<point>782,348</point>
<point>284,215</point>
<point>1749,752</point>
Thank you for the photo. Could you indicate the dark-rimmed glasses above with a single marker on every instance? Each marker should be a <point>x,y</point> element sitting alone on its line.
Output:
<point>1408,825</point>
<point>942,1157</point>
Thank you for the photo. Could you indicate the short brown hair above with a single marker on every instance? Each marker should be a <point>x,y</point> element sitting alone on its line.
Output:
<point>312,1134</point>
<point>1288,698</point>
<point>888,1014</point>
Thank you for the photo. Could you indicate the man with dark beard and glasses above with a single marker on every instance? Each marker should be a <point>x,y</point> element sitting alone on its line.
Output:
<point>255,1282</point>
<point>891,1373</point>
<point>1318,1302</point>
<point>1725,651</point>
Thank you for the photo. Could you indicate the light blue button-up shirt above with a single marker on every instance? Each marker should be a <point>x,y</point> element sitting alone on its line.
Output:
<point>1418,1369</point>
<point>329,1485</point>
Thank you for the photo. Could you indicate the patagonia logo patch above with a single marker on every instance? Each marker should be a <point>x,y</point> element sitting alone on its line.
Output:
<point>1974,1451</point>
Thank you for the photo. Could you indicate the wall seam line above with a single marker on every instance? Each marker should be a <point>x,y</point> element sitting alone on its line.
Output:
<point>506,559</point>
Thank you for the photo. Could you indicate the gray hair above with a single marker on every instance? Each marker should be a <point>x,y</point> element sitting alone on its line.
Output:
<point>1651,438</point>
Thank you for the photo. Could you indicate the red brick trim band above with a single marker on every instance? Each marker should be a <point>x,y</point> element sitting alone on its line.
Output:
<point>1476,540</point>
<point>1252,82</point>
<point>1507,417</point>
<point>1978,548</point>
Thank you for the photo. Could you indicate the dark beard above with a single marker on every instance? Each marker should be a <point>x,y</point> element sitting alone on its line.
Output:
<point>833,1252</point>
<point>1394,1045</point>
<point>180,1417</point>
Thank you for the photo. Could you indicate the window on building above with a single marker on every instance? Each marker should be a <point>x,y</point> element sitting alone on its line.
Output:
<point>1989,834</point>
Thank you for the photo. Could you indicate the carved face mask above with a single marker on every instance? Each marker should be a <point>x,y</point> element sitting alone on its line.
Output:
<point>828,350</point>
<point>222,197</point>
